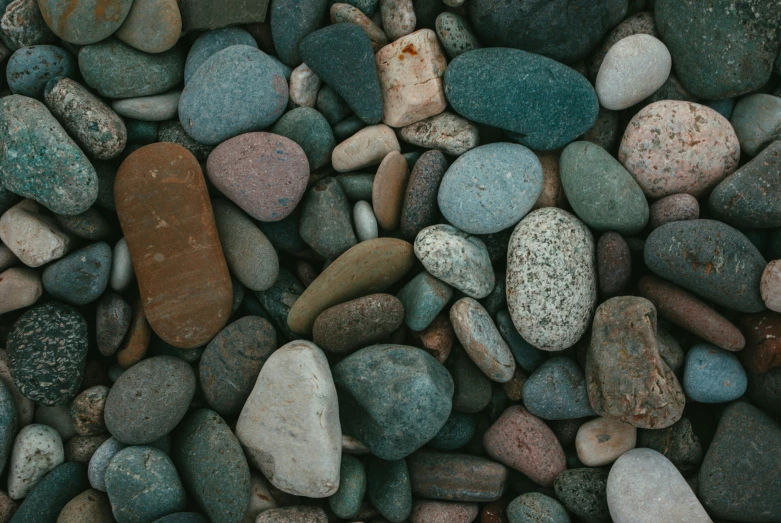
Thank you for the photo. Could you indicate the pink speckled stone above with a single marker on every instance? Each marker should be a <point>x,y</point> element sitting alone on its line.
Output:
<point>679,147</point>
<point>263,173</point>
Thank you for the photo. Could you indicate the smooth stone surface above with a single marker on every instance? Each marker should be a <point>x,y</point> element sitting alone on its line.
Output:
<point>420,208</point>
<point>481,340</point>
<point>112,322</point>
<point>291,22</point>
<point>149,399</point>
<point>582,492</point>
<point>756,119</point>
<point>533,506</point>
<point>53,492</point>
<point>57,417</point>
<point>357,186</point>
<point>601,441</point>
<point>456,258</point>
<point>393,398</point>
<point>349,326</point>
<point>81,276</point>
<point>36,451</point>
<point>557,390</point>
<point>9,422</point>
<point>366,147</point>
<point>152,26</point>
<point>293,515</point>
<point>136,342</point>
<point>423,297</point>
<point>90,506</point>
<point>601,192</point>
<point>639,480</point>
<point>457,431</point>
<point>116,70</point>
<point>543,103</point>
<point>713,375</point>
<point>304,86</point>
<point>47,352</point>
<point>551,279</point>
<point>155,108</point>
<point>346,501</point>
<point>211,42</point>
<point>325,223</point>
<point>85,21</point>
<point>638,23</point>
<point>674,208</point>
<point>456,477</point>
<point>424,511</point>
<point>678,147</point>
<point>472,389</point>
<point>528,357</point>
<point>19,287</point>
<point>369,267</point>
<point>98,463</point>
<point>174,244</point>
<point>390,184</point>
<point>710,259</point>
<point>33,237</point>
<point>354,75</point>
<point>490,188</point>
<point>455,34</point>
<point>237,90</point>
<point>87,411</point>
<point>310,130</point>
<point>364,221</point>
<point>61,179</point>
<point>763,342</point>
<point>388,488</point>
<point>278,300</point>
<point>30,68</point>
<point>446,132</point>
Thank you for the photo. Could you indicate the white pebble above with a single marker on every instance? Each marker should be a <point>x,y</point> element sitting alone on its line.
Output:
<point>365,221</point>
<point>304,86</point>
<point>398,18</point>
<point>121,267</point>
<point>37,450</point>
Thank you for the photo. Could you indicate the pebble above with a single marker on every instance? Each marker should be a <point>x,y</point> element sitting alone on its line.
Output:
<point>398,18</point>
<point>80,277</point>
<point>357,186</point>
<point>354,75</point>
<point>10,422</point>
<point>87,411</point>
<point>30,68</point>
<point>423,298</point>
<point>211,42</point>
<point>524,96</point>
<point>456,477</point>
<point>325,223</point>
<point>159,215</point>
<point>457,431</point>
<point>24,407</point>
<point>116,70</point>
<point>33,237</point>
<point>155,108</point>
<point>99,462</point>
<point>223,99</point>
<point>710,259</point>
<point>152,27</point>
<point>601,441</point>
<point>443,512</point>
<point>633,69</point>
<point>199,14</point>
<point>446,132</point>
<point>346,501</point>
<point>472,387</point>
<point>260,498</point>
<point>551,279</point>
<point>149,400</point>
<point>57,417</point>
<point>644,487</point>
<point>23,25</point>
<point>80,449</point>
<point>346,127</point>
<point>143,485</point>
<point>674,208</point>
<point>113,317</point>
<point>614,264</point>
<point>310,130</point>
<point>304,86</point>
<point>480,338</point>
<point>366,227</point>
<point>37,450</point>
<point>367,147</point>
<point>638,23</point>
<point>53,492</point>
<point>763,348</point>
<point>90,506</point>
<point>557,390</point>
<point>582,492</point>
<point>713,375</point>
<point>293,515</point>
<point>456,258</point>
<point>289,425</point>
<point>388,488</point>
<point>82,22</point>
<point>89,225</point>
<point>344,12</point>
<point>420,209</point>
<point>334,108</point>
<point>524,442</point>
<point>20,287</point>
<point>390,184</point>
<point>291,23</point>
<point>455,34</point>
<point>395,398</point>
<point>352,325</point>
<point>678,443</point>
<point>534,506</point>
<point>679,147</point>
<point>756,119</point>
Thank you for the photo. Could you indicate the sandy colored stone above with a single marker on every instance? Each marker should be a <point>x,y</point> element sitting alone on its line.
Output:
<point>304,86</point>
<point>601,441</point>
<point>19,287</point>
<point>348,13</point>
<point>34,238</point>
<point>390,184</point>
<point>366,147</point>
<point>7,258</point>
<point>424,511</point>
<point>552,194</point>
<point>136,342</point>
<point>91,506</point>
<point>770,285</point>
<point>437,339</point>
<point>446,132</point>
<point>358,323</point>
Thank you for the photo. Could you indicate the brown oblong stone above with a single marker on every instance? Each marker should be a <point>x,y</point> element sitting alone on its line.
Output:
<point>390,184</point>
<point>686,310</point>
<point>166,217</point>
<point>455,477</point>
<point>763,341</point>
<point>136,343</point>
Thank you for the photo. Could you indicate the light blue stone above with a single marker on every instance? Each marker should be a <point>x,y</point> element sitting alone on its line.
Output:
<point>423,298</point>
<point>557,390</point>
<point>713,375</point>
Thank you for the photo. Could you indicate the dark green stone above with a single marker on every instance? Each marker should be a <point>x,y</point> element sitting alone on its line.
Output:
<point>526,355</point>
<point>388,488</point>
<point>393,398</point>
<point>279,298</point>
<point>543,104</point>
<point>139,131</point>
<point>291,22</point>
<point>342,56</point>
<point>583,492</point>
<point>202,14</point>
<point>212,466</point>
<point>472,388</point>
<point>357,186</point>
<point>678,443</point>
<point>173,132</point>
<point>765,390</point>
<point>47,353</point>
<point>29,68</point>
<point>309,129</point>
<point>326,219</point>
<point>89,225</point>
<point>8,423</point>
<point>81,276</point>
<point>347,127</point>
<point>47,499</point>
<point>346,502</point>
<point>333,106</point>
<point>106,174</point>
<point>455,433</point>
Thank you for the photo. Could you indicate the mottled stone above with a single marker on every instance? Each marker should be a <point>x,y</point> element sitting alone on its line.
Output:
<point>713,375</point>
<point>437,339</point>
<point>344,12</point>
<point>614,264</point>
<point>446,132</point>
<point>30,68</point>
<point>763,342</point>
<point>309,129</point>
<point>678,443</point>
<point>398,17</point>
<point>23,25</point>
<point>358,323</point>
<point>366,147</point>
<point>480,338</point>
<point>86,21</point>
<point>137,339</point>
<point>346,501</point>
<point>601,441</point>
<point>455,34</point>
<point>325,219</point>
<point>390,185</point>
<point>53,492</point>
<point>420,209</point>
<point>456,477</point>
<point>152,26</point>
<point>113,320</point>
<point>20,287</point>
<point>80,449</point>
<point>388,488</point>
<point>90,506</point>
<point>674,208</point>
<point>36,451</point>
<point>81,276</point>
<point>155,108</point>
<point>557,390</point>
<point>534,506</point>
<point>34,238</point>
<point>582,492</point>
<point>87,411</point>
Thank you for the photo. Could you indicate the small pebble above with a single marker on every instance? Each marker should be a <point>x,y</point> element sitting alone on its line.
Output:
<point>20,287</point>
<point>601,441</point>
<point>155,108</point>
<point>87,411</point>
<point>366,147</point>
<point>713,375</point>
<point>30,68</point>
<point>121,267</point>
<point>390,185</point>
<point>480,338</point>
<point>398,17</point>
<point>446,132</point>
<point>347,327</point>
<point>756,119</point>
<point>366,227</point>
<point>533,506</point>
<point>674,208</point>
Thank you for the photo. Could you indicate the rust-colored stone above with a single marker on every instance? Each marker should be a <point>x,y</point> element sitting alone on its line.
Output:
<point>136,341</point>
<point>495,512</point>
<point>436,339</point>
<point>455,477</point>
<point>166,217</point>
<point>763,341</point>
<point>388,190</point>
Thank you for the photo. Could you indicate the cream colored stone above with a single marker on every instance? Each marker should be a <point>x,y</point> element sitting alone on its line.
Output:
<point>390,184</point>
<point>770,286</point>
<point>341,13</point>
<point>445,131</point>
<point>37,450</point>
<point>410,71</point>
<point>366,147</point>
<point>601,441</point>
<point>7,258</point>
<point>19,287</point>
<point>351,445</point>
<point>304,86</point>
<point>35,239</point>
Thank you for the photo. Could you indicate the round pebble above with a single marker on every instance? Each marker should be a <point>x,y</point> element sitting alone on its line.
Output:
<point>601,441</point>
<point>349,326</point>
<point>87,411</point>
<point>152,27</point>
<point>713,375</point>
<point>366,227</point>
<point>30,68</point>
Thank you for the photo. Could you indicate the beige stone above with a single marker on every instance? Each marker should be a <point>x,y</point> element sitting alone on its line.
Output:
<point>770,286</point>
<point>366,147</point>
<point>601,441</point>
<point>35,239</point>
<point>552,194</point>
<point>304,86</point>
<point>410,71</point>
<point>19,287</point>
<point>388,190</point>
<point>341,13</point>
<point>445,131</point>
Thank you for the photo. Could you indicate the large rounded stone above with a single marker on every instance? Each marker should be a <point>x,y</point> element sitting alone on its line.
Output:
<point>37,450</point>
<point>84,22</point>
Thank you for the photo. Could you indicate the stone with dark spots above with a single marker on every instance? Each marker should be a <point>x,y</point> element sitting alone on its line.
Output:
<point>81,276</point>
<point>456,477</point>
<point>358,323</point>
<point>763,342</point>
<point>291,22</point>
<point>30,68</point>
<point>420,201</point>
<point>80,449</point>
<point>86,411</point>
<point>583,492</point>
<point>678,443</point>
<point>614,264</point>
<point>388,488</point>
<point>22,25</point>
<point>47,499</point>
<point>84,21</point>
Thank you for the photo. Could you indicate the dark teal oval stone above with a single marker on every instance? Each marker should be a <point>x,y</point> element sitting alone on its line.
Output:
<point>346,502</point>
<point>47,499</point>
<point>81,276</point>
<point>291,22</point>
<point>30,68</point>
<point>388,488</point>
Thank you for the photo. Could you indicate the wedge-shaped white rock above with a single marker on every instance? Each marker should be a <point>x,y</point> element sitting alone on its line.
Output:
<point>37,450</point>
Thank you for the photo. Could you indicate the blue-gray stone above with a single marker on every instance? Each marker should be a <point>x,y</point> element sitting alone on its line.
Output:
<point>528,357</point>
<point>212,42</point>
<point>423,298</point>
<point>30,68</point>
<point>490,188</point>
<point>388,488</point>
<point>237,90</point>
<point>47,499</point>
<point>81,276</point>
<point>557,390</point>
<point>534,507</point>
<point>326,219</point>
<point>346,502</point>
<point>333,107</point>
<point>291,22</point>
<point>98,463</point>
<point>309,129</point>
<point>457,431</point>
<point>8,424</point>
<point>279,298</point>
<point>543,104</point>
<point>723,107</point>
<point>713,375</point>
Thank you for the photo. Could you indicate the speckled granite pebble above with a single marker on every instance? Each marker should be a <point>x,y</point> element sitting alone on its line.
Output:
<point>674,208</point>
<point>455,34</point>
<point>481,340</point>
<point>22,25</point>
<point>582,492</point>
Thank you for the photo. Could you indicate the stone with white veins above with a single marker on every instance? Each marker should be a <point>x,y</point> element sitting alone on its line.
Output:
<point>366,227</point>
<point>37,450</point>
<point>155,108</point>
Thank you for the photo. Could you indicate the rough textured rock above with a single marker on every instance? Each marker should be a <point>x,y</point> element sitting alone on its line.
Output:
<point>446,132</point>
<point>358,323</point>
<point>81,276</point>
<point>87,411</point>
<point>36,451</point>
<point>674,208</point>
<point>582,491</point>
<point>678,443</point>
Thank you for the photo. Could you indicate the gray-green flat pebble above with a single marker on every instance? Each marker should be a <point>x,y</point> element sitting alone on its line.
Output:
<point>357,186</point>
<point>346,502</point>
<point>212,42</point>
<point>423,298</point>
<point>388,488</point>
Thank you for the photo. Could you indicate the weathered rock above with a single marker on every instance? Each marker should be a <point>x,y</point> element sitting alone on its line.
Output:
<point>674,208</point>
<point>344,12</point>
<point>19,287</point>
<point>22,25</point>
<point>84,22</point>
<point>557,390</point>
<point>534,506</point>
<point>34,238</point>
<point>293,515</point>
<point>456,477</point>
<point>87,411</point>
<point>446,132</point>
<point>90,506</point>
<point>678,443</point>
<point>30,68</point>
<point>358,323</point>
<point>398,17</point>
<point>614,264</point>
<point>763,342</point>
<point>582,491</point>
<point>480,338</point>
<point>420,208</point>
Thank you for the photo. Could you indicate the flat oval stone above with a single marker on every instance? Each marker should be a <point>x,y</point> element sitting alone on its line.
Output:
<point>393,398</point>
<point>710,259</point>
<point>155,108</point>
<point>289,425</point>
<point>526,96</point>
<point>90,505</point>
<point>36,451</point>
<point>601,441</point>
<point>366,147</point>
<point>455,34</point>
<point>61,179</point>
<point>638,387</point>
<point>674,208</point>
<point>366,227</point>
<point>30,68</point>
<point>47,352</point>
<point>309,129</point>
<point>582,492</point>
<point>756,119</point>
<point>678,147</point>
<point>446,132</point>
<point>325,219</point>
<point>551,279</point>
<point>423,298</point>
<point>19,287</point>
<point>480,338</point>
<point>81,276</point>
<point>505,178</point>
<point>84,21</point>
<point>33,238</point>
<point>46,501</point>
<point>163,207</point>
<point>143,485</point>
<point>116,70</point>
<point>388,488</point>
<point>87,411</point>
<point>420,208</point>
<point>212,466</point>
<point>713,375</point>
<point>533,506</point>
<point>237,90</point>
<point>369,267</point>
<point>112,322</point>
<point>149,399</point>
<point>390,184</point>
<point>557,390</point>
<point>346,501</point>
<point>152,27</point>
<point>602,193</point>
<point>232,361</point>
<point>456,477</point>
<point>355,324</point>
<point>457,259</point>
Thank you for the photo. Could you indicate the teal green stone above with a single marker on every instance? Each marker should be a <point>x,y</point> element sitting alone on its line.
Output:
<point>279,298</point>
<point>455,433</point>
<point>283,234</point>
<point>601,192</point>
<point>81,276</point>
<point>455,34</point>
<point>89,225</point>
<point>347,127</point>
<point>342,56</point>
<point>709,258</point>
<point>346,502</point>
<point>333,106</point>
<point>389,489</point>
<point>543,104</point>
<point>720,48</point>
<point>116,70</point>
<point>357,186</point>
<point>212,466</point>
<point>309,129</point>
<point>557,390</point>
<point>713,375</point>
<point>84,22</point>
<point>393,398</point>
<point>723,107</point>
<point>30,68</point>
<point>528,357</point>
<point>471,388</point>
<point>143,485</point>
<point>291,22</point>
<point>423,298</point>
<point>584,492</point>
<point>534,507</point>
<point>212,42</point>
<point>47,499</point>
<point>139,131</point>
<point>8,423</point>
<point>38,159</point>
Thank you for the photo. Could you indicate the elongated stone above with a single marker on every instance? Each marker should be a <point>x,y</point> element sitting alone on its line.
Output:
<point>456,477</point>
<point>34,238</point>
<point>481,339</point>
